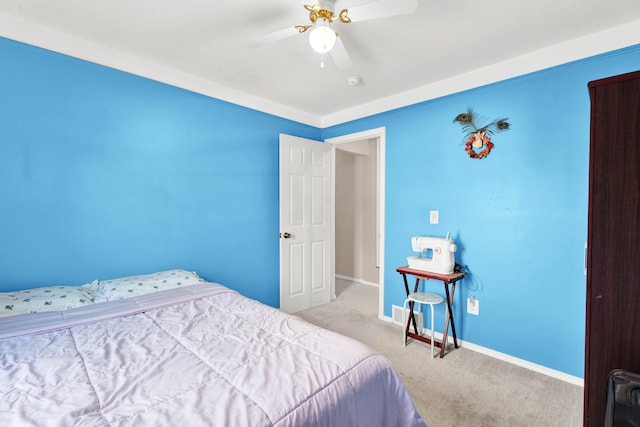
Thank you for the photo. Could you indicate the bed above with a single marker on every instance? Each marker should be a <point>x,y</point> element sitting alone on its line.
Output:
<point>171,349</point>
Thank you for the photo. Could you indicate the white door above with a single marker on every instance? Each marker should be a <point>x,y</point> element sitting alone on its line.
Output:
<point>306,249</point>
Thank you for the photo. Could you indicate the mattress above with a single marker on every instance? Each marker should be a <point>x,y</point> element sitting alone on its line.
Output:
<point>201,355</point>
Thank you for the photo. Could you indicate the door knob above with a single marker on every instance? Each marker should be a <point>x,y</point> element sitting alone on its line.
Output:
<point>285,235</point>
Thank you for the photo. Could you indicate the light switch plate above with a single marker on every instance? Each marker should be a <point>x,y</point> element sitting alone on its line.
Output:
<point>434,217</point>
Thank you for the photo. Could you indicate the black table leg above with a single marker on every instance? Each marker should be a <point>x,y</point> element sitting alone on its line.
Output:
<point>450,312</point>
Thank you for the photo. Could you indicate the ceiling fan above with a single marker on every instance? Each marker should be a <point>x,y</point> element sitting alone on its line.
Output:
<point>323,38</point>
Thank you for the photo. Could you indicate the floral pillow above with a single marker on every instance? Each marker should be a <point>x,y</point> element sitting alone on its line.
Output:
<point>126,287</point>
<point>50,298</point>
<point>57,298</point>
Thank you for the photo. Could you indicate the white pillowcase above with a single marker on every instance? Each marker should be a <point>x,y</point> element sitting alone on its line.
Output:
<point>126,287</point>
<point>57,298</point>
<point>50,298</point>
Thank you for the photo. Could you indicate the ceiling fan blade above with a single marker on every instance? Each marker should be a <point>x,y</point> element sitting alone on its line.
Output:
<point>382,9</point>
<point>273,37</point>
<point>340,55</point>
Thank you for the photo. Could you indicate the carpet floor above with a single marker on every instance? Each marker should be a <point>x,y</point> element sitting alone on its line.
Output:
<point>465,388</point>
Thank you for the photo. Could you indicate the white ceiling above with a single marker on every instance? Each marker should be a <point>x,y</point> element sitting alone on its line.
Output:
<point>205,45</point>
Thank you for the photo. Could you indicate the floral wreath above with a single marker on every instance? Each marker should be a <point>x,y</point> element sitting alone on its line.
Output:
<point>478,137</point>
<point>478,140</point>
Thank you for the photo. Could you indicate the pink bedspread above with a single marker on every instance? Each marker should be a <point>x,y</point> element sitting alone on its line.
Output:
<point>201,355</point>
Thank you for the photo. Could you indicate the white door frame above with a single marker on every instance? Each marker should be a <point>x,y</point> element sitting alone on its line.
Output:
<point>379,134</point>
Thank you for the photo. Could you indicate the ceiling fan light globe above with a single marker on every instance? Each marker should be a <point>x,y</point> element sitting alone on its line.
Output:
<point>322,38</point>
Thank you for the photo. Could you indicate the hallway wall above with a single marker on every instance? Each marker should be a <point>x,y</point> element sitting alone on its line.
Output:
<point>356,211</point>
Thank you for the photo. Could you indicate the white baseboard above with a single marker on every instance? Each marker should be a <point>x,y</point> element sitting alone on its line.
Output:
<point>523,363</point>
<point>509,359</point>
<point>353,279</point>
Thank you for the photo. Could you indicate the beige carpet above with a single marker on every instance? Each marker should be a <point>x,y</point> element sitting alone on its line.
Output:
<point>465,388</point>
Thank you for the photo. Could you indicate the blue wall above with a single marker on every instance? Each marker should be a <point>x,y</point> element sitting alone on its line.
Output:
<point>105,174</point>
<point>519,216</point>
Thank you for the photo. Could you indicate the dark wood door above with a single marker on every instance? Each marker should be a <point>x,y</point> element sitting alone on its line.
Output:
<point>613,263</point>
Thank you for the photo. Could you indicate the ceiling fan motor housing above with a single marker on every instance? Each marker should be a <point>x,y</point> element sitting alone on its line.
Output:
<point>316,12</point>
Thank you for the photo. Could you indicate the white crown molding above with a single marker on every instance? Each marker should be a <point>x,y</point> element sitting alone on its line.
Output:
<point>67,44</point>
<point>580,48</point>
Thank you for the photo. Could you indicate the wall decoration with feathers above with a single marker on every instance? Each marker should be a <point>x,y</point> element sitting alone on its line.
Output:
<point>477,139</point>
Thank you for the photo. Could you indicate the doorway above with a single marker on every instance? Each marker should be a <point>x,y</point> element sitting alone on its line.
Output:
<point>358,209</point>
<point>356,212</point>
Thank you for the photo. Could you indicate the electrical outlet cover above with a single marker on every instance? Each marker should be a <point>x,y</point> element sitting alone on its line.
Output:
<point>473,306</point>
